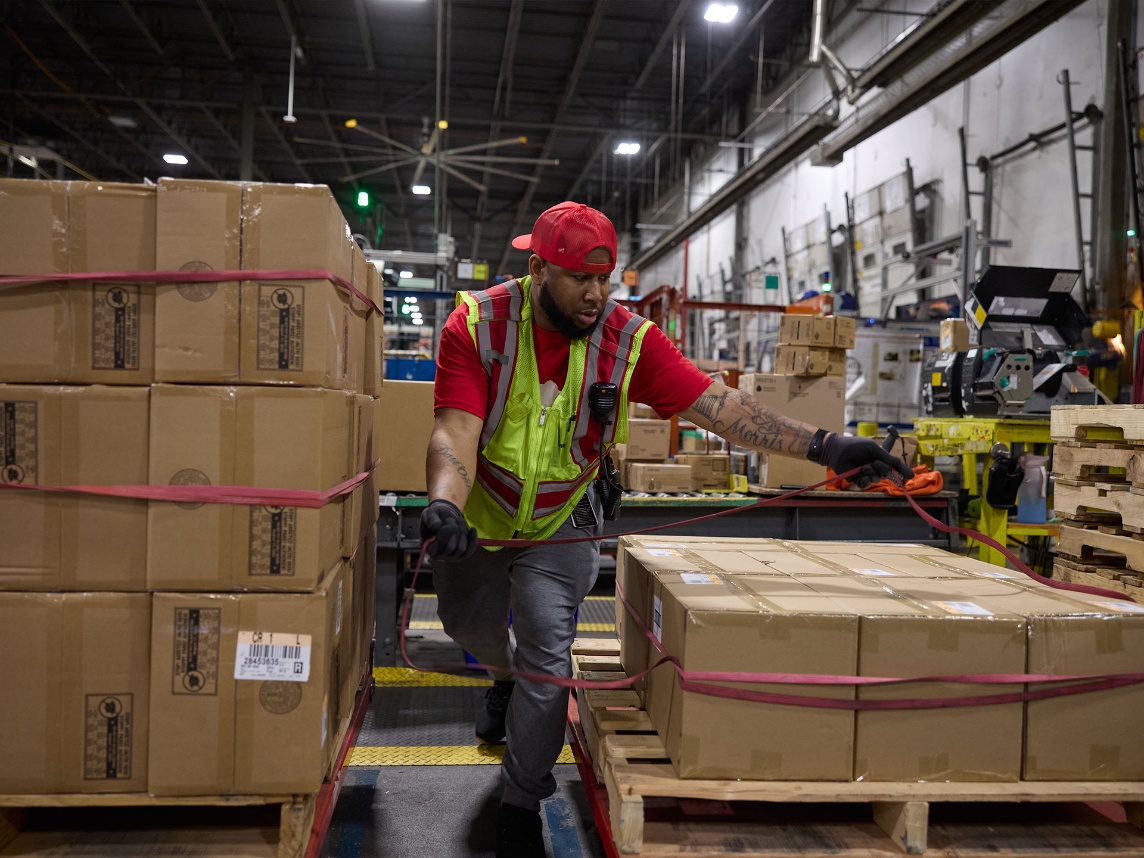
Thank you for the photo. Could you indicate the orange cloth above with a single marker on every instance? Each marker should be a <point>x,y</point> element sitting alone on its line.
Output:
<point>924,482</point>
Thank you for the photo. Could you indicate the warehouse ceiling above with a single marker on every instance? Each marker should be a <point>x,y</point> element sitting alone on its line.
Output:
<point>536,95</point>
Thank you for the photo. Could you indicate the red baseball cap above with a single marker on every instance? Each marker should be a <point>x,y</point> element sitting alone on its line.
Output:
<point>566,233</point>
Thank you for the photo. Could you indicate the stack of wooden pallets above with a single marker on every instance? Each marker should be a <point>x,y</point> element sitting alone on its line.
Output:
<point>1098,465</point>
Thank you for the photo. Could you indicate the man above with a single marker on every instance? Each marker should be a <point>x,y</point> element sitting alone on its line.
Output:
<point>517,447</point>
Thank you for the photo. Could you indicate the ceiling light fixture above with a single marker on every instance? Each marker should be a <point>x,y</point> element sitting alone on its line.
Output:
<point>627,148</point>
<point>175,158</point>
<point>405,275</point>
<point>122,121</point>
<point>721,13</point>
<point>421,190</point>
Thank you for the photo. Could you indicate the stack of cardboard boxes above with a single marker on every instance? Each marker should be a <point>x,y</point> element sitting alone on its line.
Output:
<point>905,611</point>
<point>808,384</point>
<point>178,647</point>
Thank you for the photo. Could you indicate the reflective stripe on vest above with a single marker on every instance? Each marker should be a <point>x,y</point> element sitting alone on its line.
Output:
<point>499,365</point>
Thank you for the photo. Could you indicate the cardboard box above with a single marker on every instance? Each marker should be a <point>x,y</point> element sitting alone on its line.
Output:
<point>363,507</point>
<point>405,422</point>
<point>954,336</point>
<point>295,331</point>
<point>73,436</point>
<point>712,621</point>
<point>198,228</point>
<point>229,718</point>
<point>817,401</point>
<point>1094,736</point>
<point>911,637</point>
<point>285,438</point>
<point>374,335</point>
<point>34,328</point>
<point>707,471</point>
<point>641,411</point>
<point>654,477</point>
<point>802,360</point>
<point>76,696</point>
<point>111,227</point>
<point>648,440</point>
<point>845,330</point>
<point>356,353</point>
<point>81,332</point>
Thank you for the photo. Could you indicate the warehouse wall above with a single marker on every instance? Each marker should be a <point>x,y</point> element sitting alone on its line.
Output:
<point>1001,105</point>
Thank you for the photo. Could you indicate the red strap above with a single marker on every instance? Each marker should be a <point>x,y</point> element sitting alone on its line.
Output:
<point>145,277</point>
<point>241,495</point>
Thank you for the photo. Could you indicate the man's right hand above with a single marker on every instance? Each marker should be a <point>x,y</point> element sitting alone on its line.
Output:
<point>452,538</point>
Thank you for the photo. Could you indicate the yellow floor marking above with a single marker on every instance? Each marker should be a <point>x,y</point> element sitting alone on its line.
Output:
<point>394,677</point>
<point>436,755</point>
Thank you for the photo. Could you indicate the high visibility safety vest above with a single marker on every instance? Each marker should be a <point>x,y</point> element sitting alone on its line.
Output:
<point>534,462</point>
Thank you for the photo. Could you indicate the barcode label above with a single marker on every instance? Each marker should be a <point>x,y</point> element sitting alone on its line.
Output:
<point>273,655</point>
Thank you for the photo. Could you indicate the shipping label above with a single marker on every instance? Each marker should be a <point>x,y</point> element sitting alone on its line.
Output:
<point>19,437</point>
<point>108,723</point>
<point>280,327</point>
<point>198,633</point>
<point>115,326</point>
<point>273,655</point>
<point>698,578</point>
<point>273,539</point>
<point>967,609</point>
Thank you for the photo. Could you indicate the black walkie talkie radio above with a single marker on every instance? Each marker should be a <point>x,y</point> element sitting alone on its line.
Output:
<point>603,397</point>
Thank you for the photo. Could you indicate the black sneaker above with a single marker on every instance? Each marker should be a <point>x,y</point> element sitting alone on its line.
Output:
<point>490,720</point>
<point>519,833</point>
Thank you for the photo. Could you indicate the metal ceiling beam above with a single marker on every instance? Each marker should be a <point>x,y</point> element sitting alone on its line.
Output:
<point>366,39</point>
<point>134,15</point>
<point>226,135</point>
<point>205,6</point>
<point>294,29</point>
<point>1027,20</point>
<point>680,10</point>
<point>569,93</point>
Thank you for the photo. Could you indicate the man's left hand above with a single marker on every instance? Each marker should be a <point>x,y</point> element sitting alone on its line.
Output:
<point>842,453</point>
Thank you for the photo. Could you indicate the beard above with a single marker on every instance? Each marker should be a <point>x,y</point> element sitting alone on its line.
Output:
<point>563,322</point>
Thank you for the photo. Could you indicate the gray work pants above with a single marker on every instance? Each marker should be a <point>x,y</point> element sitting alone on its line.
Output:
<point>543,585</point>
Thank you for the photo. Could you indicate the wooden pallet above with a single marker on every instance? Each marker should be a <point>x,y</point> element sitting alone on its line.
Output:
<point>1084,422</point>
<point>651,812</point>
<point>1100,545</point>
<point>140,824</point>
<point>1074,501</point>
<point>1108,462</point>
<point>1108,577</point>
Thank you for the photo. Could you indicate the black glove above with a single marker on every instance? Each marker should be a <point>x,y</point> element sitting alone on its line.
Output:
<point>842,453</point>
<point>445,524</point>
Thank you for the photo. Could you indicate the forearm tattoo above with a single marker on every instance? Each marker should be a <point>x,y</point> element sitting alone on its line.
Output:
<point>743,420</point>
<point>446,453</point>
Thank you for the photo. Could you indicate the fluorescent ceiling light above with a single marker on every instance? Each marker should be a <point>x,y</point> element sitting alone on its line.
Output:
<point>175,158</point>
<point>122,121</point>
<point>410,300</point>
<point>24,159</point>
<point>627,148</point>
<point>720,13</point>
<point>405,275</point>
<point>421,190</point>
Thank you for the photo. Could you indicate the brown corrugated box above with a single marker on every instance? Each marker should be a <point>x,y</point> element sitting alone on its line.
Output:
<point>401,438</point>
<point>826,332</point>
<point>1093,736</point>
<point>60,436</point>
<point>263,437</point>
<point>198,228</point>
<point>111,227</point>
<point>216,731</point>
<point>362,509</point>
<point>953,336</point>
<point>648,440</point>
<point>294,331</point>
<point>79,332</point>
<point>715,621</point>
<point>808,361</point>
<point>707,471</point>
<point>75,692</point>
<point>356,349</point>
<point>654,477</point>
<point>820,402</point>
